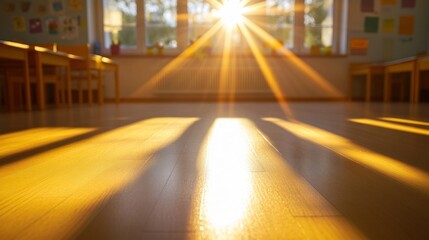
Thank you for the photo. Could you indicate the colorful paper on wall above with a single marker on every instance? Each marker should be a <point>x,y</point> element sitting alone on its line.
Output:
<point>371,24</point>
<point>367,5</point>
<point>53,26</point>
<point>19,24</point>
<point>358,46</point>
<point>406,25</point>
<point>388,2</point>
<point>25,6</point>
<point>388,25</point>
<point>75,5</point>
<point>42,8</point>
<point>408,3</point>
<point>69,28</point>
<point>57,6</point>
<point>9,7</point>
<point>35,25</point>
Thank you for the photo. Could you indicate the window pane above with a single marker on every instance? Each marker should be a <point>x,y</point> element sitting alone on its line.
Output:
<point>161,24</point>
<point>200,18</point>
<point>120,22</point>
<point>280,20</point>
<point>318,22</point>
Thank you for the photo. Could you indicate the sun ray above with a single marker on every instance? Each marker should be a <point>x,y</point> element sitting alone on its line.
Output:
<point>266,71</point>
<point>225,65</point>
<point>314,76</point>
<point>151,83</point>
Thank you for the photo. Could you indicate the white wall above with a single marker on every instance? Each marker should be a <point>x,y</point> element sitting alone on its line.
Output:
<point>292,77</point>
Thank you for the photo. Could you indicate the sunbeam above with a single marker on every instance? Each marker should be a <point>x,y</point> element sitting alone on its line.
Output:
<point>266,71</point>
<point>314,76</point>
<point>149,85</point>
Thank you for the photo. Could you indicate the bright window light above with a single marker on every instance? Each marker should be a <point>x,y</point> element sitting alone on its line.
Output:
<point>231,13</point>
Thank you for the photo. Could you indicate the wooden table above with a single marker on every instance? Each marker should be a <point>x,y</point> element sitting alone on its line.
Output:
<point>17,51</point>
<point>368,70</point>
<point>400,66</point>
<point>421,65</point>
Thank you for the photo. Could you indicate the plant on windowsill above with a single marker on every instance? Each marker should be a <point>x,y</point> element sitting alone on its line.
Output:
<point>115,48</point>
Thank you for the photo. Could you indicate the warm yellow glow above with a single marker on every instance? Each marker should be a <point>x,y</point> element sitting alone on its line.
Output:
<point>52,194</point>
<point>392,126</point>
<point>231,13</point>
<point>407,121</point>
<point>228,182</point>
<point>388,166</point>
<point>274,43</point>
<point>15,44</point>
<point>178,61</point>
<point>266,70</point>
<point>16,142</point>
<point>246,187</point>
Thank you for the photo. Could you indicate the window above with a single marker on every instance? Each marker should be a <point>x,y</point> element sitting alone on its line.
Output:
<point>314,23</point>
<point>318,21</point>
<point>120,23</point>
<point>161,23</point>
<point>304,26</point>
<point>200,18</point>
<point>280,20</point>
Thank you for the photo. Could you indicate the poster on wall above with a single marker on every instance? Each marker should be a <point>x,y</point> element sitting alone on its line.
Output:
<point>408,3</point>
<point>9,7</point>
<point>406,25</point>
<point>367,6</point>
<point>53,26</point>
<point>25,6</point>
<point>57,6</point>
<point>75,5</point>
<point>69,28</point>
<point>358,46</point>
<point>19,24</point>
<point>35,25</point>
<point>42,8</point>
<point>388,25</point>
<point>371,25</point>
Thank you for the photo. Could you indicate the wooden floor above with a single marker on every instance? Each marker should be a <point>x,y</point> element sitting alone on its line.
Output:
<point>216,171</point>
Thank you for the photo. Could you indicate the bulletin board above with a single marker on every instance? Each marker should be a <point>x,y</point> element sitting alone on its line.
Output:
<point>44,21</point>
<point>390,29</point>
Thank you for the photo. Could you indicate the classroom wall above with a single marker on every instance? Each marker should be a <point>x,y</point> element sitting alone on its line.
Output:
<point>293,78</point>
<point>388,36</point>
<point>45,21</point>
<point>295,83</point>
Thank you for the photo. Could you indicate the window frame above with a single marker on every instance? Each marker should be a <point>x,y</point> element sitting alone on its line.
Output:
<point>339,36</point>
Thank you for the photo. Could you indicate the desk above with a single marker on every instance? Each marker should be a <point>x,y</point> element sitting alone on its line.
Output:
<point>17,51</point>
<point>368,70</point>
<point>400,66</point>
<point>422,65</point>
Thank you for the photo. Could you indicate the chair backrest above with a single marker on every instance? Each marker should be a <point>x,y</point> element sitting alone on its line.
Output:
<point>79,50</point>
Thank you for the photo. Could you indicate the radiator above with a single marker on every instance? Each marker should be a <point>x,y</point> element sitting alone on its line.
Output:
<point>210,80</point>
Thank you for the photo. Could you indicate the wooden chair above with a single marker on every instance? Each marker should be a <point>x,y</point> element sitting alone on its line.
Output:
<point>52,74</point>
<point>86,69</point>
<point>369,71</point>
<point>421,65</point>
<point>404,65</point>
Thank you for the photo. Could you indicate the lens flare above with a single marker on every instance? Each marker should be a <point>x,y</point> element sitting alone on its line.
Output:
<point>231,13</point>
